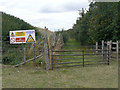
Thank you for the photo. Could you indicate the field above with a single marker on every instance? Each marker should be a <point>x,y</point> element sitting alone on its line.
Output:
<point>97,76</point>
<point>100,76</point>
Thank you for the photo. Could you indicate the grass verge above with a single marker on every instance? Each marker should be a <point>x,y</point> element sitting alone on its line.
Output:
<point>100,76</point>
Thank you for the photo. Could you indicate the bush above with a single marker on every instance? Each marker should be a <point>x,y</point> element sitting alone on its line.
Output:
<point>65,37</point>
<point>11,57</point>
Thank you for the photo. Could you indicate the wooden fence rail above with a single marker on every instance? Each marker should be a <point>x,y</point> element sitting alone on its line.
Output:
<point>41,55</point>
<point>77,50</point>
<point>102,58</point>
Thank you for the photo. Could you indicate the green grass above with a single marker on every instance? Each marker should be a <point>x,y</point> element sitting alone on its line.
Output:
<point>72,44</point>
<point>96,76</point>
<point>100,76</point>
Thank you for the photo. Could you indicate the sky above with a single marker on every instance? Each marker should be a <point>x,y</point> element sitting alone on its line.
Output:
<point>54,14</point>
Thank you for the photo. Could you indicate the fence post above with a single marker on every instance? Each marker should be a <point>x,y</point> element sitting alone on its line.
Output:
<point>83,58</point>
<point>24,54</point>
<point>110,48</point>
<point>50,59</point>
<point>117,50</point>
<point>24,57</point>
<point>54,39</point>
<point>108,56</point>
<point>107,45</point>
<point>46,49</point>
<point>34,54</point>
<point>96,47</point>
<point>102,46</point>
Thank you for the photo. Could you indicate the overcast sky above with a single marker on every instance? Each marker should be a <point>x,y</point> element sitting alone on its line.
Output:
<point>55,14</point>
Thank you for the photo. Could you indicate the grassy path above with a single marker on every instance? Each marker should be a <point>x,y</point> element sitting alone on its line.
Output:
<point>72,44</point>
<point>99,76</point>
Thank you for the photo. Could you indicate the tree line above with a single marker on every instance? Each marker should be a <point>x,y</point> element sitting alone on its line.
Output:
<point>11,23</point>
<point>100,22</point>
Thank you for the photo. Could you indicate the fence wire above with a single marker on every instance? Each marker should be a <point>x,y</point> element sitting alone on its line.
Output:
<point>15,53</point>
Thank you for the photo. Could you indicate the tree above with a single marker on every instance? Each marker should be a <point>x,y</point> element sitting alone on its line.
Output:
<point>100,22</point>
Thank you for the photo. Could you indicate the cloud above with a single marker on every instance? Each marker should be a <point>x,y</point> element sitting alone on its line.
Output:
<point>55,14</point>
<point>55,21</point>
<point>63,7</point>
<point>74,6</point>
<point>52,10</point>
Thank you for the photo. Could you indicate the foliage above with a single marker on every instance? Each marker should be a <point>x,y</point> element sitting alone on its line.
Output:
<point>64,35</point>
<point>11,23</point>
<point>38,35</point>
<point>100,22</point>
<point>12,54</point>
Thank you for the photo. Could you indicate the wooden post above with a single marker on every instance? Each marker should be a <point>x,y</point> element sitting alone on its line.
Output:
<point>46,49</point>
<point>108,56</point>
<point>24,53</point>
<point>96,47</point>
<point>83,58</point>
<point>54,39</point>
<point>117,51</point>
<point>107,45</point>
<point>110,48</point>
<point>50,59</point>
<point>34,54</point>
<point>24,58</point>
<point>102,46</point>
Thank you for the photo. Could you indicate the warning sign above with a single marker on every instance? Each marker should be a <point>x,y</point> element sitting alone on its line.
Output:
<point>19,34</point>
<point>22,36</point>
<point>30,39</point>
<point>12,34</point>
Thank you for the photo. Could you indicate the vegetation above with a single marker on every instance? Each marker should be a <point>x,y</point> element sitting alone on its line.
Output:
<point>11,23</point>
<point>64,34</point>
<point>100,22</point>
<point>12,54</point>
<point>100,76</point>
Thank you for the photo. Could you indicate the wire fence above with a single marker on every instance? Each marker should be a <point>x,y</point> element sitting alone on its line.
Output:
<point>17,53</point>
